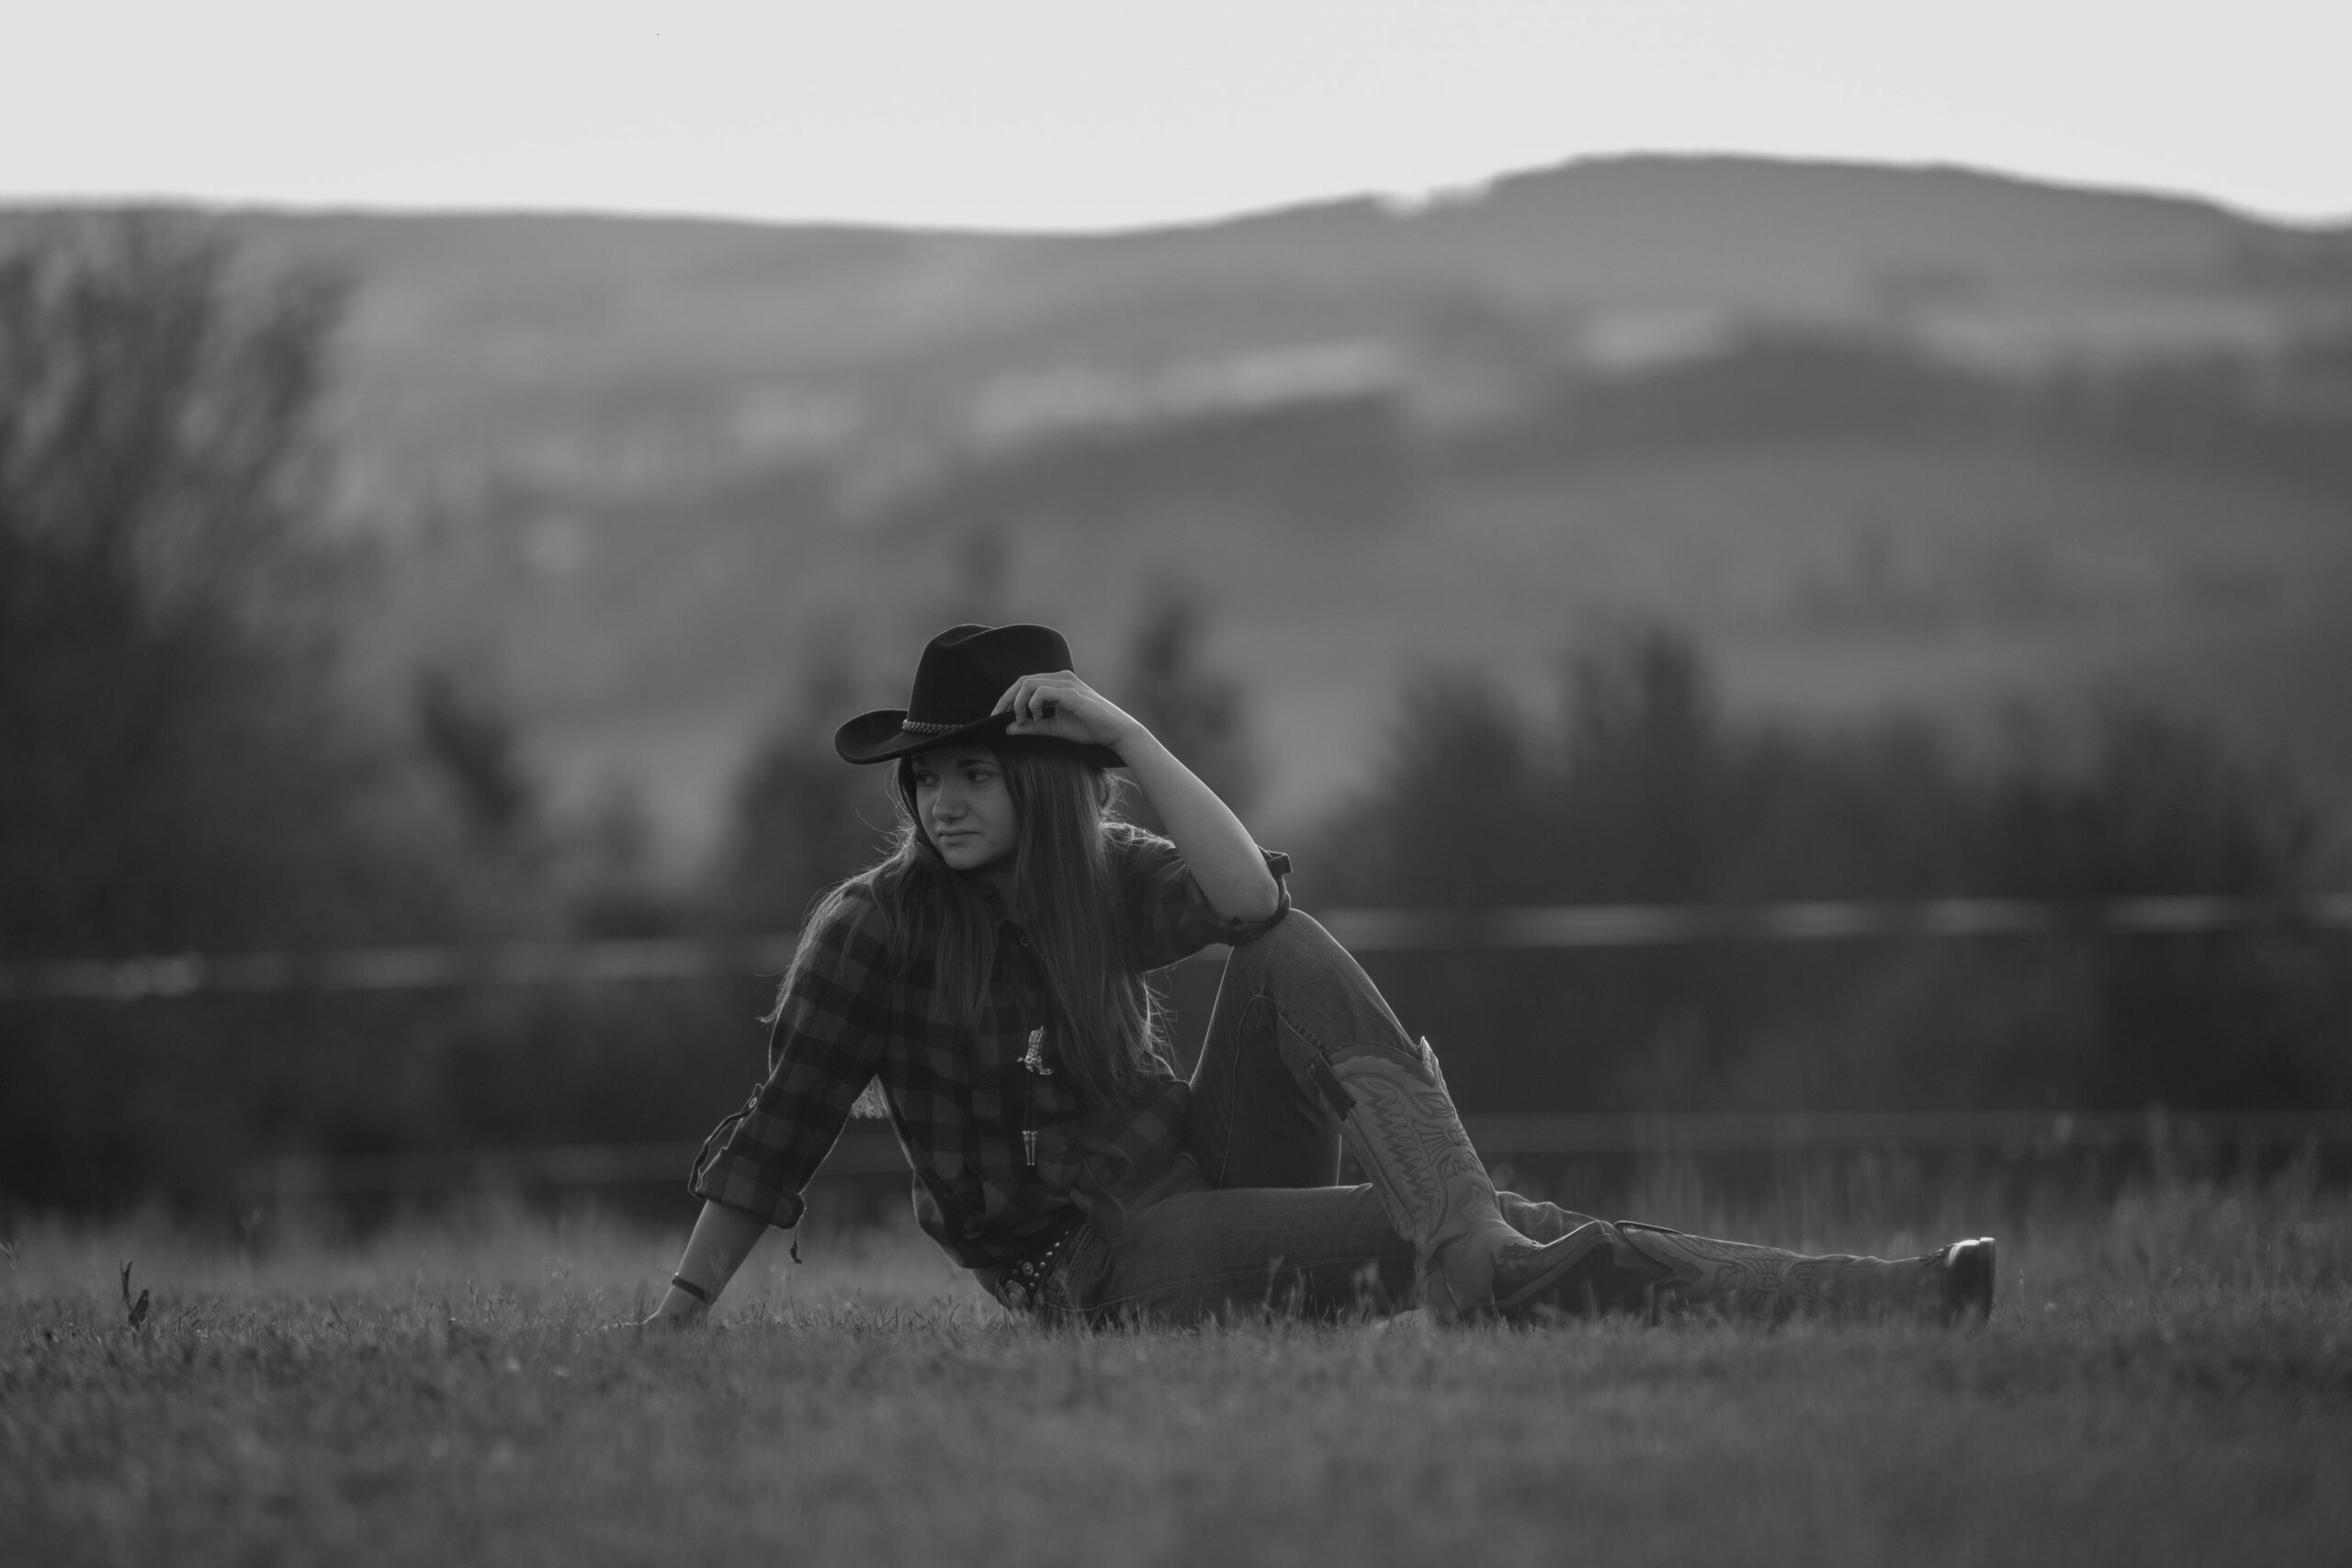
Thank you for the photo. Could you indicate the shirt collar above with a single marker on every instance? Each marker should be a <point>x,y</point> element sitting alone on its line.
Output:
<point>999,910</point>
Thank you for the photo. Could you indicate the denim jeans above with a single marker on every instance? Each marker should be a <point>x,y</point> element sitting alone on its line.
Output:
<point>1251,1219</point>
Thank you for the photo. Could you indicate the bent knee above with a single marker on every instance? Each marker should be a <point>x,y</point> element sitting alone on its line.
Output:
<point>1297,934</point>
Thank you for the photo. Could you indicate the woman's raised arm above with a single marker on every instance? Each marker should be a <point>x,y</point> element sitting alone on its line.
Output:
<point>1219,851</point>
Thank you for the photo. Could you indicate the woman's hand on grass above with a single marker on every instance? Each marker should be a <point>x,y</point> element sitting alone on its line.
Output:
<point>722,1238</point>
<point>678,1310</point>
<point>1061,706</point>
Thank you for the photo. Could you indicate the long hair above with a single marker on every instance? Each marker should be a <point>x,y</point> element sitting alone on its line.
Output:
<point>1107,1034</point>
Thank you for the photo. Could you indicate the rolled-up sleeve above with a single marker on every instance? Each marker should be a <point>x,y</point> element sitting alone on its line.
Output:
<point>826,1045</point>
<point>1168,918</point>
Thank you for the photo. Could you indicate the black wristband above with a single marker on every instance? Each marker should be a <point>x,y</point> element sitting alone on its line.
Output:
<point>681,1283</point>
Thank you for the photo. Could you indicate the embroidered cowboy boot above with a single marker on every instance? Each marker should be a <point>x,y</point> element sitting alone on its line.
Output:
<point>1399,1122</point>
<point>1766,1284</point>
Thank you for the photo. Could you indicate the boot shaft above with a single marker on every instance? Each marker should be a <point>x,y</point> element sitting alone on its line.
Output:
<point>1399,1123</point>
<point>1770,1284</point>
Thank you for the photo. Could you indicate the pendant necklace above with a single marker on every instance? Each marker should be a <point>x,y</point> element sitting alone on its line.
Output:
<point>1034,1057</point>
<point>1035,1060</point>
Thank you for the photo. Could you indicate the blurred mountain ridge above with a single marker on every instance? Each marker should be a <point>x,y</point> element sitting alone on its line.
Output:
<point>475,329</point>
<point>1916,435</point>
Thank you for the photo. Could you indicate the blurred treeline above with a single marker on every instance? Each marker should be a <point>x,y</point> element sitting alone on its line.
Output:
<point>1636,789</point>
<point>184,766</point>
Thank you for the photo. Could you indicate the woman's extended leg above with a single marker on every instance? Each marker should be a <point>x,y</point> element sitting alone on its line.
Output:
<point>1658,1267</point>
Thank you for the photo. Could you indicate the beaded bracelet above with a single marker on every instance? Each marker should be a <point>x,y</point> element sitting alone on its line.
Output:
<point>682,1282</point>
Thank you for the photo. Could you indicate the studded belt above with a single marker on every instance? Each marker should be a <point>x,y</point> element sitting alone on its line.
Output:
<point>1039,1283</point>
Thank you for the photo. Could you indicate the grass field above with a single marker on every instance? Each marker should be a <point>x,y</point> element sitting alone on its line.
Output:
<point>2167,1378</point>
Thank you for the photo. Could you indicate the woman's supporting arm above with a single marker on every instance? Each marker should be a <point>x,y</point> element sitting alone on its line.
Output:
<point>722,1238</point>
<point>1219,851</point>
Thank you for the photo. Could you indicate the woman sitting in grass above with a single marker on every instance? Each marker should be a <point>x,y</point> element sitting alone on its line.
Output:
<point>987,975</point>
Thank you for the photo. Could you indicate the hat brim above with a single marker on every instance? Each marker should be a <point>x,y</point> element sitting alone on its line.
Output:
<point>882,737</point>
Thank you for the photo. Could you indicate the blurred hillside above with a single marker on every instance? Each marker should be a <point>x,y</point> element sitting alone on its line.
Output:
<point>1873,437</point>
<point>1469,600</point>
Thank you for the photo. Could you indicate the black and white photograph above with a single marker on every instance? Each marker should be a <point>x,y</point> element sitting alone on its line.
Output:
<point>1073,785</point>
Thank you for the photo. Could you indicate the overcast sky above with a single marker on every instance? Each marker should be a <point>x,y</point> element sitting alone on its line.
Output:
<point>1005,113</point>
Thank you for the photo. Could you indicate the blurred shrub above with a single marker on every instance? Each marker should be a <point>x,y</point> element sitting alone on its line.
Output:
<point>182,767</point>
<point>1641,792</point>
<point>801,819</point>
<point>474,744</point>
<point>1195,711</point>
<point>178,770</point>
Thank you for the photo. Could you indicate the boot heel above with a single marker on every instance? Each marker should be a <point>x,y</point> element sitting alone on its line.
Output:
<point>1967,1269</point>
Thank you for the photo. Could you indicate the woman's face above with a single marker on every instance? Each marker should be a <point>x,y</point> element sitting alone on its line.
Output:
<point>963,807</point>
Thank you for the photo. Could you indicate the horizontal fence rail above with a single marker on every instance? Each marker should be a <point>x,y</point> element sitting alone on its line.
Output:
<point>868,1152</point>
<point>396,968</point>
<point>1640,925</point>
<point>1549,927</point>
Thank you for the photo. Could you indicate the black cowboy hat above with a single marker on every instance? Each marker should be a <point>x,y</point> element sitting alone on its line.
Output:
<point>964,671</point>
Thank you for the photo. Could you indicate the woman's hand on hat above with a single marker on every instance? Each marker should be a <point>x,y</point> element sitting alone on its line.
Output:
<point>1061,706</point>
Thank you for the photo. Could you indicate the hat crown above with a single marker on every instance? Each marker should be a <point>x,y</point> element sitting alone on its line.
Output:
<point>962,673</point>
<point>965,669</point>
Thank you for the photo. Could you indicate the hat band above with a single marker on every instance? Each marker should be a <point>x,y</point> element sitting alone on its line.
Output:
<point>917,726</point>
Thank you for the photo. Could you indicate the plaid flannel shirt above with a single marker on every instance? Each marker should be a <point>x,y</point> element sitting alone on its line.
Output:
<point>956,1088</point>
